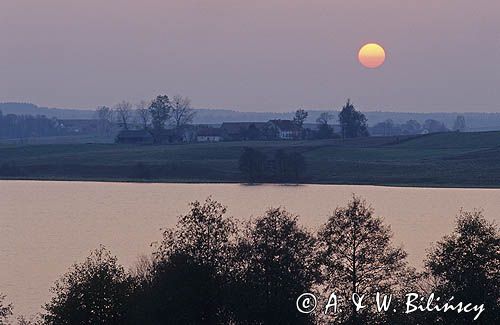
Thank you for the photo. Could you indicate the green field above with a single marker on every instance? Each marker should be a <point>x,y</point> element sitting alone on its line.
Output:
<point>448,159</point>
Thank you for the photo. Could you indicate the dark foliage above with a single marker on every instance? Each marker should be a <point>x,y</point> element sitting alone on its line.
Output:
<point>180,291</point>
<point>353,123</point>
<point>207,271</point>
<point>160,110</point>
<point>466,265</point>
<point>433,126</point>
<point>190,275</point>
<point>355,248</point>
<point>5,310</point>
<point>289,166</point>
<point>94,292</point>
<point>276,266</point>
<point>252,164</point>
<point>24,126</point>
<point>300,117</point>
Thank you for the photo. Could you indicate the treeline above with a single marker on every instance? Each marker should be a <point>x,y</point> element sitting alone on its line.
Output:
<point>24,126</point>
<point>257,166</point>
<point>212,269</point>
<point>155,114</point>
<point>411,127</point>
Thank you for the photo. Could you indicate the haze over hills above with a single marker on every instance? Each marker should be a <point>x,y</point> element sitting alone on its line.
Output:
<point>475,121</point>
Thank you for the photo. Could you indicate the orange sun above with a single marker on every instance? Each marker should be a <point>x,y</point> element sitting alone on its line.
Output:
<point>371,55</point>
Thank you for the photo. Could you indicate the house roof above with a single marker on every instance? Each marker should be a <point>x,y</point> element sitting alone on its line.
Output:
<point>237,127</point>
<point>210,132</point>
<point>285,125</point>
<point>134,134</point>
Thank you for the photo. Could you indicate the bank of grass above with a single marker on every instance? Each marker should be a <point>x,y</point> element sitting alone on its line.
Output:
<point>442,160</point>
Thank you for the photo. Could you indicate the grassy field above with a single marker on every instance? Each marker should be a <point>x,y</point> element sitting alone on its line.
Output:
<point>448,159</point>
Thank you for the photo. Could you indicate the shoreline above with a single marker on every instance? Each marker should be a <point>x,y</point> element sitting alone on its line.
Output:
<point>207,182</point>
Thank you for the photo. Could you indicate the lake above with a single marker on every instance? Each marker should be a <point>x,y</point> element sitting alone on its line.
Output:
<point>47,226</point>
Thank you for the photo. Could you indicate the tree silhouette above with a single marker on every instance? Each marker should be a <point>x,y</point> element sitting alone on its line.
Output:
<point>182,112</point>
<point>466,265</point>
<point>460,124</point>
<point>324,130</point>
<point>353,123</point>
<point>142,114</point>
<point>300,117</point>
<point>433,126</point>
<point>411,127</point>
<point>105,117</point>
<point>355,250</point>
<point>123,114</point>
<point>94,292</point>
<point>160,109</point>
<point>289,166</point>
<point>192,264</point>
<point>252,164</point>
<point>5,310</point>
<point>276,266</point>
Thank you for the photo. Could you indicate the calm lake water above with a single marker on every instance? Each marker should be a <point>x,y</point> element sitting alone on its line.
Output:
<point>47,226</point>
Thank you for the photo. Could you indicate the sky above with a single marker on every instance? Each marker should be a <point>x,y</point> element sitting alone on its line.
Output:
<point>260,55</point>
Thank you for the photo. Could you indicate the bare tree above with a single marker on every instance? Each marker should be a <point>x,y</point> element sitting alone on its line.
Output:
<point>182,112</point>
<point>355,248</point>
<point>142,113</point>
<point>123,113</point>
<point>460,124</point>
<point>105,117</point>
<point>324,118</point>
<point>300,117</point>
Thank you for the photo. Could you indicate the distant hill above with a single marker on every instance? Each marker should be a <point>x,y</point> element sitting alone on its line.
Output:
<point>475,121</point>
<point>31,109</point>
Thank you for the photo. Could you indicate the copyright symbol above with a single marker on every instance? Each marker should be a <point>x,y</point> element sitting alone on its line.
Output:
<point>306,303</point>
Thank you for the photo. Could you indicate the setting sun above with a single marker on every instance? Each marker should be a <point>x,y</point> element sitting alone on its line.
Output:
<point>371,55</point>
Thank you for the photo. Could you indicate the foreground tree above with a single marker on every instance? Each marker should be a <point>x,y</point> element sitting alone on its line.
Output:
<point>182,113</point>
<point>94,292</point>
<point>123,112</point>
<point>160,109</point>
<point>357,255</point>
<point>5,310</point>
<point>252,164</point>
<point>190,273</point>
<point>466,265</point>
<point>276,267</point>
<point>353,123</point>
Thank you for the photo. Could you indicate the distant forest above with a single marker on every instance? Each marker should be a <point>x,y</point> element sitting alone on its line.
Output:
<point>475,121</point>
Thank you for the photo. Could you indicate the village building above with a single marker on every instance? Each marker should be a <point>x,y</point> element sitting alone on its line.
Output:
<point>286,129</point>
<point>134,137</point>
<point>238,131</point>
<point>208,134</point>
<point>80,126</point>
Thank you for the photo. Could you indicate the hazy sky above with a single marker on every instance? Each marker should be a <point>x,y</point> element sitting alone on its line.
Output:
<point>260,55</point>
